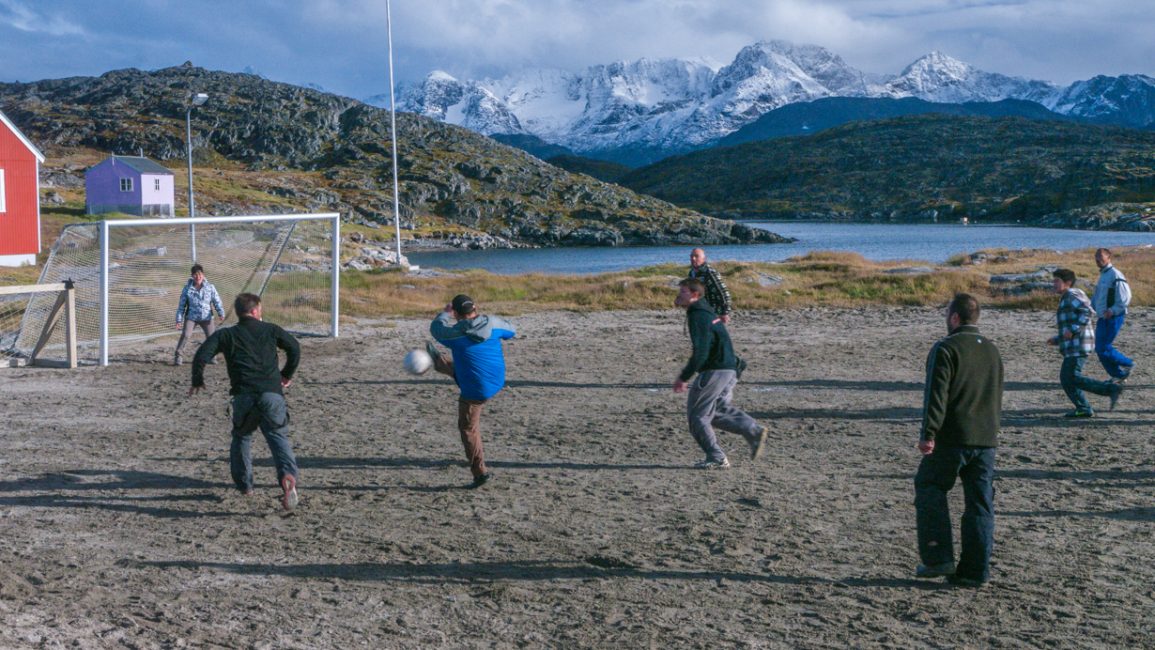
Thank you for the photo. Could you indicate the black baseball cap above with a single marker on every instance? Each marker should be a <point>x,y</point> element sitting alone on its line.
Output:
<point>462,304</point>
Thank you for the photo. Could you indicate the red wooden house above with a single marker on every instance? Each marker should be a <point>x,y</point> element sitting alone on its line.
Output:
<point>19,196</point>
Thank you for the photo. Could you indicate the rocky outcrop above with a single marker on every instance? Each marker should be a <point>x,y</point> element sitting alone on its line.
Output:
<point>1135,217</point>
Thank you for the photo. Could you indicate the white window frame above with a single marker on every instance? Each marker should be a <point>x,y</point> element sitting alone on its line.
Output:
<point>126,184</point>
<point>3,193</point>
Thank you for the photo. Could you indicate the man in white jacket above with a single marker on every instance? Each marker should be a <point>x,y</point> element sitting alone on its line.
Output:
<point>1112,295</point>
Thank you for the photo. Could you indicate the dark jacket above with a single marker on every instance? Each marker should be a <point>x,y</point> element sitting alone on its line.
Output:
<point>250,349</point>
<point>964,390</point>
<point>711,341</point>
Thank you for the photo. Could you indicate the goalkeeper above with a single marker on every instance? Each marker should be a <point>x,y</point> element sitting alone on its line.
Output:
<point>197,303</point>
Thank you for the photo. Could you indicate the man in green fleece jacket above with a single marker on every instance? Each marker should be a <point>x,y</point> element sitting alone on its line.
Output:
<point>713,360</point>
<point>962,407</point>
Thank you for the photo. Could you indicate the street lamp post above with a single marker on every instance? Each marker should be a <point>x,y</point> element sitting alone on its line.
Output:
<point>197,100</point>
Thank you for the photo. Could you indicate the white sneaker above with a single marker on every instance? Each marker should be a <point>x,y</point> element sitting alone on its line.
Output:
<point>713,464</point>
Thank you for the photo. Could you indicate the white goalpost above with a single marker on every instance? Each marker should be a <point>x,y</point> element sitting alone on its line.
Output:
<point>129,274</point>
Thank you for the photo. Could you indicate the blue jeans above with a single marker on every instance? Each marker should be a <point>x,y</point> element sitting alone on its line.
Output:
<point>935,477</point>
<point>271,414</point>
<point>1114,362</point>
<point>1074,383</point>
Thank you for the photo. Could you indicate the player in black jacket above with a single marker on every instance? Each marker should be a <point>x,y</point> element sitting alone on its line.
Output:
<point>250,349</point>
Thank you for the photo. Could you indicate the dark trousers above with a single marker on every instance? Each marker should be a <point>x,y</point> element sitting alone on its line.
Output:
<point>935,478</point>
<point>1114,362</point>
<point>269,412</point>
<point>468,421</point>
<point>1074,383</point>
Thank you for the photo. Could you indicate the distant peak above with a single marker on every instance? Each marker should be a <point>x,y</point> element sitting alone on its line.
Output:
<point>440,75</point>
<point>934,57</point>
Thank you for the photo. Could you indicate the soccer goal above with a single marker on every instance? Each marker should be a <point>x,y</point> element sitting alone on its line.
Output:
<point>129,274</point>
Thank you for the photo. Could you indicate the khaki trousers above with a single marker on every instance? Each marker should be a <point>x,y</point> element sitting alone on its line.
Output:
<point>468,421</point>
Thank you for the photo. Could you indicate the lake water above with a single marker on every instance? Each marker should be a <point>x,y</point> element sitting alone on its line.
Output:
<point>880,242</point>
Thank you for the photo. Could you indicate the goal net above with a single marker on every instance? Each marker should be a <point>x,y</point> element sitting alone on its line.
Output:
<point>129,275</point>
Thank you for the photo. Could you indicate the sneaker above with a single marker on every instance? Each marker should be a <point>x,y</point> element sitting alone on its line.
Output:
<point>757,441</point>
<point>479,481</point>
<point>1079,413</point>
<point>290,498</point>
<point>970,583</point>
<point>934,570</point>
<point>1115,396</point>
<point>177,360</point>
<point>432,350</point>
<point>713,464</point>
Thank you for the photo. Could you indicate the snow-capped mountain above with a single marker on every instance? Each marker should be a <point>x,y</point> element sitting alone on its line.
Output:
<point>937,77</point>
<point>648,109</point>
<point>1127,100</point>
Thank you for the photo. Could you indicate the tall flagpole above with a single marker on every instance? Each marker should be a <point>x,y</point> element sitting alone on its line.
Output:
<point>393,130</point>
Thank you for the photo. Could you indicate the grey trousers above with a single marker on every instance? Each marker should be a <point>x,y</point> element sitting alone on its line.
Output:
<point>708,407</point>
<point>187,329</point>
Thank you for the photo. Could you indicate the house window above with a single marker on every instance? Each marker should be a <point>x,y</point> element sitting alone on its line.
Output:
<point>126,185</point>
<point>3,192</point>
<point>156,184</point>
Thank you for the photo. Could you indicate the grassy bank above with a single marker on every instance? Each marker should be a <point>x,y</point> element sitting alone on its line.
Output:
<point>819,279</point>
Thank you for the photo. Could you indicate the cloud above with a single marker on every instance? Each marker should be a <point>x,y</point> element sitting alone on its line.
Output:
<point>18,15</point>
<point>341,44</point>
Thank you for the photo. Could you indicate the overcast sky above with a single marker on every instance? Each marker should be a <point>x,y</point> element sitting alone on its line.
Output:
<point>341,44</point>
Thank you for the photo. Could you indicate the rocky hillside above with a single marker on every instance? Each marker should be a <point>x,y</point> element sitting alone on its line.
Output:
<point>921,168</point>
<point>266,147</point>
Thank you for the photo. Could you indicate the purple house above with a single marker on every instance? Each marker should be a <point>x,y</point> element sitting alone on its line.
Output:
<point>129,184</point>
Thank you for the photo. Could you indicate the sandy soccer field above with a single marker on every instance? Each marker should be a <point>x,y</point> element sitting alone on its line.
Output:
<point>119,526</point>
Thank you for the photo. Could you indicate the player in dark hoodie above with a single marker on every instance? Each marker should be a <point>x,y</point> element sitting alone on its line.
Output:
<point>713,360</point>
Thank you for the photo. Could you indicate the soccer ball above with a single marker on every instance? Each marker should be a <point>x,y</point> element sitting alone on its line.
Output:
<point>418,362</point>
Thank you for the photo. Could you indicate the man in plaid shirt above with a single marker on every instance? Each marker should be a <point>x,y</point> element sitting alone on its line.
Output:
<point>717,294</point>
<point>1076,340</point>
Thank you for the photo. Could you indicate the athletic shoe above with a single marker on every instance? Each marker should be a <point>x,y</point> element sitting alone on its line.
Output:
<point>757,442</point>
<point>177,360</point>
<point>713,464</point>
<point>1124,378</point>
<point>970,583</point>
<point>1079,413</point>
<point>290,498</point>
<point>1115,396</point>
<point>432,349</point>
<point>479,481</point>
<point>934,570</point>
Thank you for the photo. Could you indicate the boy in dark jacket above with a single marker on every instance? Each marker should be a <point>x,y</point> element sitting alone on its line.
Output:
<point>713,360</point>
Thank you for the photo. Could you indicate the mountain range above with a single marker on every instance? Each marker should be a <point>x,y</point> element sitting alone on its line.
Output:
<point>642,111</point>
<point>264,147</point>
